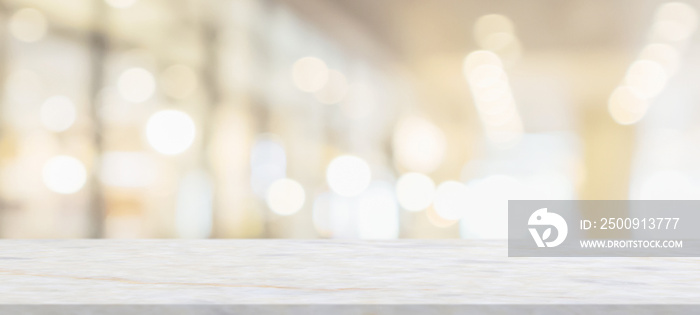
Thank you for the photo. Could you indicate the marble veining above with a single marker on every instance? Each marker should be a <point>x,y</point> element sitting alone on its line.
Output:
<point>327,272</point>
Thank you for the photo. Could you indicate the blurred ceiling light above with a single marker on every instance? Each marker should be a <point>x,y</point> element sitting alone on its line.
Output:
<point>451,200</point>
<point>28,25</point>
<point>486,76</point>
<point>170,132</point>
<point>24,86</point>
<point>348,175</point>
<point>127,169</point>
<point>334,90</point>
<point>121,4</point>
<point>64,174</point>
<point>480,58</point>
<point>285,196</point>
<point>310,74</point>
<point>646,79</point>
<point>418,144</point>
<point>57,113</point>
<point>136,85</point>
<point>378,213</point>
<point>415,191</point>
<point>665,55</point>
<point>493,98</point>
<point>491,24</point>
<point>675,21</point>
<point>178,81</point>
<point>626,107</point>
<point>268,163</point>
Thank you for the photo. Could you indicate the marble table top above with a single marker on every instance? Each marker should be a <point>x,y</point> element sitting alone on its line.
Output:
<point>328,272</point>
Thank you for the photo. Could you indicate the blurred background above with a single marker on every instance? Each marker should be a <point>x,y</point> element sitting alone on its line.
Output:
<point>337,119</point>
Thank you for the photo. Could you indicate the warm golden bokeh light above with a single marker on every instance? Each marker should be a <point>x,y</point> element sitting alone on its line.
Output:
<point>420,146</point>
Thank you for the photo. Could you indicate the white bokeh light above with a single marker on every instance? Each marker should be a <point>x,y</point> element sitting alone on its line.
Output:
<point>486,76</point>
<point>674,21</point>
<point>419,145</point>
<point>57,113</point>
<point>665,55</point>
<point>64,174</point>
<point>625,107</point>
<point>285,196</point>
<point>348,175</point>
<point>493,98</point>
<point>646,78</point>
<point>170,132</point>
<point>451,200</point>
<point>490,24</point>
<point>310,74</point>
<point>479,58</point>
<point>415,191</point>
<point>136,85</point>
<point>496,33</point>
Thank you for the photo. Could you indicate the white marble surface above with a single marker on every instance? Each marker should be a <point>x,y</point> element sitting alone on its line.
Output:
<point>326,271</point>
